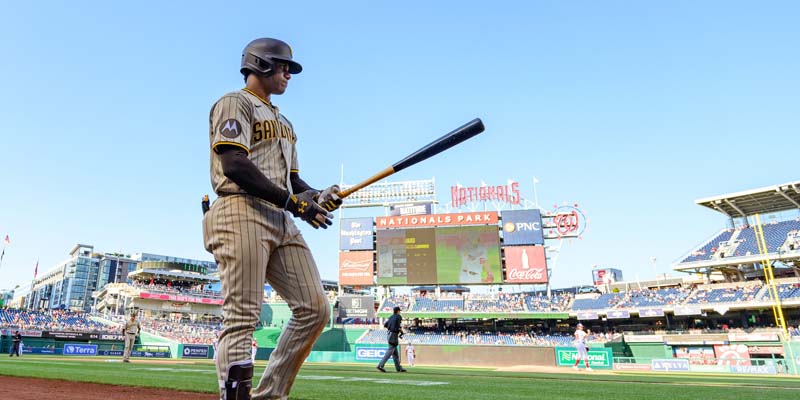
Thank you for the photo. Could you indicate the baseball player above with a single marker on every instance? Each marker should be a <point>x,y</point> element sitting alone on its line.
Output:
<point>580,345</point>
<point>215,343</point>
<point>255,350</point>
<point>250,230</point>
<point>474,259</point>
<point>411,353</point>
<point>130,331</point>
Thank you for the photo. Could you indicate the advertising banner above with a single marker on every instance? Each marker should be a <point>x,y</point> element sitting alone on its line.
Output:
<point>111,353</point>
<point>754,369</point>
<point>599,357</point>
<point>150,354</point>
<point>426,221</point>
<point>23,332</point>
<point>370,353</point>
<point>587,315</point>
<point>179,298</point>
<point>753,337</point>
<point>604,276</point>
<point>195,351</point>
<point>522,227</point>
<point>356,307</point>
<point>765,349</point>
<point>355,268</point>
<point>644,338</point>
<point>525,264</point>
<point>618,314</point>
<point>670,364</point>
<point>632,367</point>
<point>75,349</point>
<point>356,234</point>
<point>411,209</point>
<point>687,311</point>
<point>736,354</point>
<point>39,350</point>
<point>651,312</point>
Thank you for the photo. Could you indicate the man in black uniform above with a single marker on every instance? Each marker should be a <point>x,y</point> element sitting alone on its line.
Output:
<point>395,333</point>
<point>15,347</point>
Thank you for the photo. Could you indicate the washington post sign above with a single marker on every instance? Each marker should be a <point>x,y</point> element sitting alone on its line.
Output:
<point>356,234</point>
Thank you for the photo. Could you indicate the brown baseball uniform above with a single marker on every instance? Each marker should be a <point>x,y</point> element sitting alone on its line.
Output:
<point>132,329</point>
<point>253,239</point>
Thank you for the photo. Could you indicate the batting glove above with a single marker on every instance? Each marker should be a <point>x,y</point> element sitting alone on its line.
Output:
<point>303,206</point>
<point>329,198</point>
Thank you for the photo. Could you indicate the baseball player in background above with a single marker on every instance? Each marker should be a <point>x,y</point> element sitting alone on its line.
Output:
<point>250,230</point>
<point>474,259</point>
<point>580,346</point>
<point>16,347</point>
<point>215,343</point>
<point>130,331</point>
<point>255,351</point>
<point>411,353</point>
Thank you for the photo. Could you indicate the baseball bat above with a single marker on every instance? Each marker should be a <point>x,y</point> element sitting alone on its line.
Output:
<point>439,145</point>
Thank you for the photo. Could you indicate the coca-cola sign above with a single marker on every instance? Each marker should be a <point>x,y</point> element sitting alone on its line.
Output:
<point>525,264</point>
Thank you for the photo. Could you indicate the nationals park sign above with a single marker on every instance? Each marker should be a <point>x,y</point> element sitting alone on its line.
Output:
<point>422,221</point>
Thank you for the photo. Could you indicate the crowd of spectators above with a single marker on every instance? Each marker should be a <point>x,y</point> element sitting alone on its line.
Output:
<point>179,289</point>
<point>52,320</point>
<point>182,331</point>
<point>655,297</point>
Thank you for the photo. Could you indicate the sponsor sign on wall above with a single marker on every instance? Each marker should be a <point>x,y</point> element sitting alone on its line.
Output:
<point>522,227</point>
<point>599,357</point>
<point>651,312</point>
<point>424,221</point>
<point>355,268</point>
<point>587,315</point>
<point>525,264</point>
<point>618,314</point>
<point>370,353</point>
<point>356,307</point>
<point>754,369</point>
<point>670,364</point>
<point>184,299</point>
<point>195,351</point>
<point>356,234</point>
<point>74,349</point>
<point>632,367</point>
<point>687,311</point>
<point>604,276</point>
<point>735,354</point>
<point>753,337</point>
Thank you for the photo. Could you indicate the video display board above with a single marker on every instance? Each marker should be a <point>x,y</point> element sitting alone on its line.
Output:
<point>444,255</point>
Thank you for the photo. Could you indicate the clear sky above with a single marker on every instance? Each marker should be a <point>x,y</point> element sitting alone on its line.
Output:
<point>631,109</point>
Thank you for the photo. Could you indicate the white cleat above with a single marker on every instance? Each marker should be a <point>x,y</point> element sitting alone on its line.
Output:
<point>575,367</point>
<point>589,369</point>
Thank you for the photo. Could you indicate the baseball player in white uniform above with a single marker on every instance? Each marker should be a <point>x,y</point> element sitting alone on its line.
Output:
<point>250,229</point>
<point>411,353</point>
<point>255,351</point>
<point>580,346</point>
<point>473,261</point>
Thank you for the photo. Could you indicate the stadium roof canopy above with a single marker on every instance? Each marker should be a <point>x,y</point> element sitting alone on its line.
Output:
<point>768,199</point>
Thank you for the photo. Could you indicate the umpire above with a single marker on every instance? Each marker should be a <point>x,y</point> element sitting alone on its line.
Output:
<point>17,340</point>
<point>395,333</point>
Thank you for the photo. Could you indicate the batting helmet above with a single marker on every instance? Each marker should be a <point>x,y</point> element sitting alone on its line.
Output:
<point>260,55</point>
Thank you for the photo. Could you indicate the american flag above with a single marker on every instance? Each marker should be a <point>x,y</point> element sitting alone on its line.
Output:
<point>7,240</point>
<point>36,269</point>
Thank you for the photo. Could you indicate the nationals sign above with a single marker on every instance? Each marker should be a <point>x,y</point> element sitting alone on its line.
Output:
<point>525,264</point>
<point>422,221</point>
<point>355,268</point>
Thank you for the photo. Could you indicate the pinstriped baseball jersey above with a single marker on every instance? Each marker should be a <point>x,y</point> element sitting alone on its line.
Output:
<point>244,120</point>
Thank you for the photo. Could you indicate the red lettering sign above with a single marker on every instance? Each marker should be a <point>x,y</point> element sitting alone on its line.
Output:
<point>461,195</point>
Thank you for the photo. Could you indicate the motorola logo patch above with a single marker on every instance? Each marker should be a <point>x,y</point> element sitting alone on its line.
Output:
<point>230,128</point>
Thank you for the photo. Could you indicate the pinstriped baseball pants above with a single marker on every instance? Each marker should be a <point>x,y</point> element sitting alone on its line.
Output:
<point>252,240</point>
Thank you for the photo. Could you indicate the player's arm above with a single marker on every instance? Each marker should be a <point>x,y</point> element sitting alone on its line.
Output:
<point>238,168</point>
<point>328,198</point>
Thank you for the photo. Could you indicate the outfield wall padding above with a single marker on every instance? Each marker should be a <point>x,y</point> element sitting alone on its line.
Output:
<point>482,356</point>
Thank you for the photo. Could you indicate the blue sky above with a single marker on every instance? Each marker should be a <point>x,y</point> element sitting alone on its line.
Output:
<point>631,109</point>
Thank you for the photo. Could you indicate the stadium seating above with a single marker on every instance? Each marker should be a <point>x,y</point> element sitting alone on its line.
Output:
<point>602,302</point>
<point>52,320</point>
<point>654,298</point>
<point>730,294</point>
<point>706,251</point>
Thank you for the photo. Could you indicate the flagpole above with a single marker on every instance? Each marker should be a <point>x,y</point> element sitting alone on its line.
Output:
<point>535,195</point>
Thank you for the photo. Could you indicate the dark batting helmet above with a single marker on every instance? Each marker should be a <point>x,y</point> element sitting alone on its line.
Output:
<point>260,55</point>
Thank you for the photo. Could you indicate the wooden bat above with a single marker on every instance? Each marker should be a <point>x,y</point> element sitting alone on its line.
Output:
<point>439,145</point>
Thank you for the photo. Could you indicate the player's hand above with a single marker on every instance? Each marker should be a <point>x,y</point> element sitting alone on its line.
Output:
<point>329,198</point>
<point>303,206</point>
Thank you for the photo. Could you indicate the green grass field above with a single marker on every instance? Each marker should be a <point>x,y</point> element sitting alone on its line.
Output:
<point>363,382</point>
